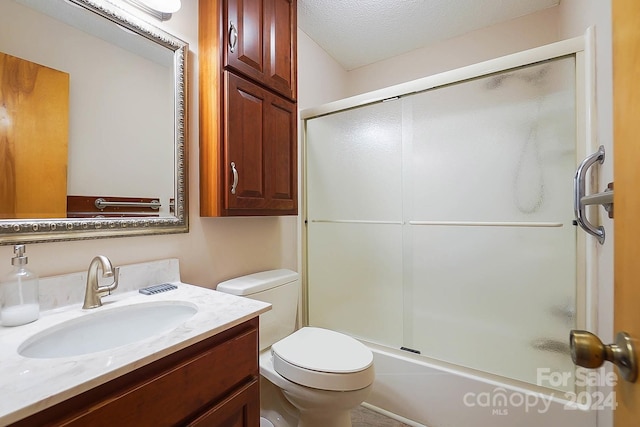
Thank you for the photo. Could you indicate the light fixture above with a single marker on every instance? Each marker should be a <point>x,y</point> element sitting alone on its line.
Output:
<point>159,9</point>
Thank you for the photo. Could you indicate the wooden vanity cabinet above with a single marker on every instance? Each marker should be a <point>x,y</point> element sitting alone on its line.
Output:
<point>213,383</point>
<point>248,112</point>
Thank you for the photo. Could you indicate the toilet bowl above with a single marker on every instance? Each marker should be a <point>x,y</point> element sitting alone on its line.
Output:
<point>322,373</point>
<point>318,375</point>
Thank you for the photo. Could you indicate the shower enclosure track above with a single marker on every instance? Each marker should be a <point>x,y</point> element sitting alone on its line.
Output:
<point>447,223</point>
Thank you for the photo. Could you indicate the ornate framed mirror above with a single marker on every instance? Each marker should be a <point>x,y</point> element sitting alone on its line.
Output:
<point>92,123</point>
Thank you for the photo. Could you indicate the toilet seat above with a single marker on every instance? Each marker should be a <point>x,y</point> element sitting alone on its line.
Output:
<point>323,359</point>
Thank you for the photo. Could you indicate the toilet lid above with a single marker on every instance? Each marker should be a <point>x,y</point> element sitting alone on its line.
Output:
<point>323,359</point>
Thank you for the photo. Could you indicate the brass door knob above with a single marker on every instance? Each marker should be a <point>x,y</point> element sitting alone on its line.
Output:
<point>589,352</point>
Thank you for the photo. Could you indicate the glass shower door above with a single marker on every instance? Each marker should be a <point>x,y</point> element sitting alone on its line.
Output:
<point>441,221</point>
<point>489,240</point>
<point>354,231</point>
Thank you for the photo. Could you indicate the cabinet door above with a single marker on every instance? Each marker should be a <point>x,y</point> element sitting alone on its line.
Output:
<point>244,138</point>
<point>260,42</point>
<point>281,27</point>
<point>260,151</point>
<point>281,154</point>
<point>244,39</point>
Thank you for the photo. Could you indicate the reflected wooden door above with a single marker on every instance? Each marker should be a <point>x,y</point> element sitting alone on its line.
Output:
<point>626,93</point>
<point>34,128</point>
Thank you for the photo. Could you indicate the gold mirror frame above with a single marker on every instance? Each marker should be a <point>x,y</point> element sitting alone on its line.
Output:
<point>62,229</point>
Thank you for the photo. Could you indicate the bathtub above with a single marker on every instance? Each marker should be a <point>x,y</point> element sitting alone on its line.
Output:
<point>423,392</point>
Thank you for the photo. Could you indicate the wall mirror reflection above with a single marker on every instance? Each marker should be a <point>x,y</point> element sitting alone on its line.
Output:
<point>92,123</point>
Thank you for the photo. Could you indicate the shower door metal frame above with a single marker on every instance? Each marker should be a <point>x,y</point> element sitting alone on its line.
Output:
<point>582,49</point>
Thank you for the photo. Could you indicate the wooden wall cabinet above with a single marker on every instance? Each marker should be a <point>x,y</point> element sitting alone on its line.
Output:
<point>212,383</point>
<point>259,42</point>
<point>248,109</point>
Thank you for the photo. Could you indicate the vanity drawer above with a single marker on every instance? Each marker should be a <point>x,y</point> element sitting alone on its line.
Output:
<point>241,408</point>
<point>175,390</point>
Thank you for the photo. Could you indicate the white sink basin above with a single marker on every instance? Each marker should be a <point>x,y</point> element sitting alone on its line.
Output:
<point>105,329</point>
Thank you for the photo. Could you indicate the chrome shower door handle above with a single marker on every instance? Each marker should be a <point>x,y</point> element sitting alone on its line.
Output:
<point>233,37</point>
<point>235,178</point>
<point>579,188</point>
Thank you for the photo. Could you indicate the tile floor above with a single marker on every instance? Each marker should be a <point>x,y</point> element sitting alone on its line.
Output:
<point>363,417</point>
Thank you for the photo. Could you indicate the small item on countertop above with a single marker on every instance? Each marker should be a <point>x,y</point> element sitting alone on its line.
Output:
<point>19,292</point>
<point>156,289</point>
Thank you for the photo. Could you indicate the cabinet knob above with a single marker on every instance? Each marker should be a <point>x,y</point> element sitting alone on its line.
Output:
<point>235,178</point>
<point>233,37</point>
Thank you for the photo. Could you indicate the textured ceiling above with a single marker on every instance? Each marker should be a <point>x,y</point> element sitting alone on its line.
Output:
<point>360,32</point>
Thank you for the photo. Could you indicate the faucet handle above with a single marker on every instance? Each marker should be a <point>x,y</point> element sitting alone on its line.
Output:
<point>115,272</point>
<point>116,276</point>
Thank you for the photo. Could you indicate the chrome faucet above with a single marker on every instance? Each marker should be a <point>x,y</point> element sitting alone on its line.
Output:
<point>94,291</point>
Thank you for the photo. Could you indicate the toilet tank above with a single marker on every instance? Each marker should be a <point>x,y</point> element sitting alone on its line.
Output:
<point>277,287</point>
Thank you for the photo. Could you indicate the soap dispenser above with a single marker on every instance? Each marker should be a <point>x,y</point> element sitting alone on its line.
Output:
<point>19,292</point>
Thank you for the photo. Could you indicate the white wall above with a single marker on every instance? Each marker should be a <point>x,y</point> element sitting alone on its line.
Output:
<point>320,78</point>
<point>570,19</point>
<point>215,249</point>
<point>487,43</point>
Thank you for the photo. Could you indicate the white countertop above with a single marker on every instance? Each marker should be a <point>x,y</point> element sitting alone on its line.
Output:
<point>29,385</point>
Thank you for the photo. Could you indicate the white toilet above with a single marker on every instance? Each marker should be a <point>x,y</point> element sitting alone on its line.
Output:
<point>322,374</point>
